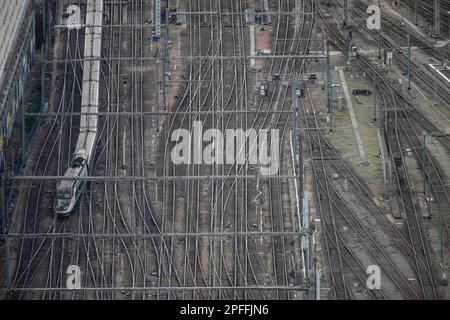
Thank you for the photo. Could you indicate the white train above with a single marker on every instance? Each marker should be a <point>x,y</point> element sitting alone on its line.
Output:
<point>68,191</point>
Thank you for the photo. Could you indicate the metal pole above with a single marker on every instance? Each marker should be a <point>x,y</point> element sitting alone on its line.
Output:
<point>329,80</point>
<point>8,262</point>
<point>44,36</point>
<point>448,24</point>
<point>429,195</point>
<point>375,116</point>
<point>441,230</point>
<point>43,77</point>
<point>166,58</point>
<point>3,195</point>
<point>2,141</point>
<point>294,123</point>
<point>4,229</point>
<point>317,284</point>
<point>158,18</point>
<point>409,61</point>
<point>349,46</point>
<point>24,135</point>
<point>348,23</point>
<point>300,161</point>
<point>303,207</point>
<point>424,164</point>
<point>345,12</point>
<point>158,102</point>
<point>314,12</point>
<point>348,7</point>
<point>261,16</point>
<point>426,178</point>
<point>295,144</point>
<point>437,18</point>
<point>416,11</point>
<point>306,228</point>
<point>13,161</point>
<point>379,43</point>
<point>435,88</point>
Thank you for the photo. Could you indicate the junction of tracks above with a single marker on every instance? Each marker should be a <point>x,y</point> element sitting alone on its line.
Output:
<point>337,188</point>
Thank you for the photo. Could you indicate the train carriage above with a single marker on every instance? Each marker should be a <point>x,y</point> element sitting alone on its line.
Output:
<point>69,191</point>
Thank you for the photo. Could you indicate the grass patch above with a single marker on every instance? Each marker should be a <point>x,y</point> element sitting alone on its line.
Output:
<point>33,106</point>
<point>38,54</point>
<point>339,113</point>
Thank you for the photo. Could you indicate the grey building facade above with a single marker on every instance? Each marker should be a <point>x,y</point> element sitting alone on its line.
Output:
<point>17,49</point>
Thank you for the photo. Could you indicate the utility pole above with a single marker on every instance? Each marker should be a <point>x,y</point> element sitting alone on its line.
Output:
<point>317,284</point>
<point>348,24</point>
<point>24,135</point>
<point>424,166</point>
<point>44,57</point>
<point>441,234</point>
<point>43,75</point>
<point>314,12</point>
<point>378,27</point>
<point>329,80</point>
<point>166,58</point>
<point>435,88</point>
<point>379,43</point>
<point>416,11</point>
<point>409,61</point>
<point>4,229</point>
<point>347,13</point>
<point>426,174</point>
<point>437,18</point>
<point>158,18</point>
<point>296,143</point>
<point>303,213</point>
<point>3,203</point>
<point>448,24</point>
<point>44,35</point>
<point>158,102</point>
<point>306,246</point>
<point>294,120</point>
<point>261,15</point>
<point>375,116</point>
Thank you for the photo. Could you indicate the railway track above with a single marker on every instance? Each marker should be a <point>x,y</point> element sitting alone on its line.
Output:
<point>409,203</point>
<point>194,189</point>
<point>125,209</point>
<point>170,192</point>
<point>415,233</point>
<point>426,10</point>
<point>417,121</point>
<point>427,78</point>
<point>339,217</point>
<point>133,213</point>
<point>34,256</point>
<point>228,201</point>
<point>195,206</point>
<point>98,259</point>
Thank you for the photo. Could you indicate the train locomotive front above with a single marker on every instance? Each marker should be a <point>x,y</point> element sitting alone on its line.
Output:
<point>69,191</point>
